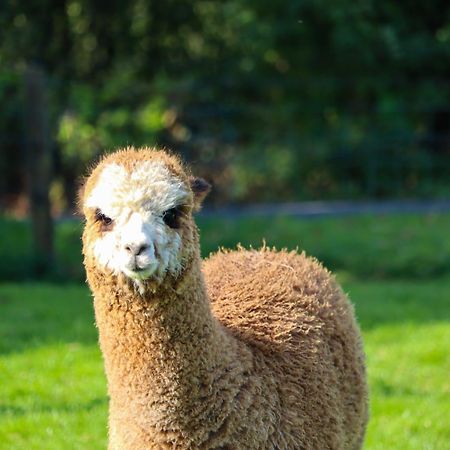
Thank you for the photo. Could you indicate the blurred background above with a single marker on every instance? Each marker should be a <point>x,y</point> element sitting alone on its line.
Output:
<point>275,103</point>
<point>271,101</point>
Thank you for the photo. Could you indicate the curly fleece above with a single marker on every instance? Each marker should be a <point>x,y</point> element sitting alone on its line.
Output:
<point>250,349</point>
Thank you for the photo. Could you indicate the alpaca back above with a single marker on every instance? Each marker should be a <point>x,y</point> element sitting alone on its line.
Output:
<point>301,325</point>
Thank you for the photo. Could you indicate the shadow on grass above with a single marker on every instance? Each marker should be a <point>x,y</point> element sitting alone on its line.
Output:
<point>370,247</point>
<point>385,389</point>
<point>16,411</point>
<point>380,303</point>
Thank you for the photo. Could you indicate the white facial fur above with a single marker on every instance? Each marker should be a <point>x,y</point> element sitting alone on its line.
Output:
<point>136,203</point>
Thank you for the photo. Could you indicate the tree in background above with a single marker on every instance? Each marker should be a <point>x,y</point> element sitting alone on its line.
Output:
<point>39,168</point>
<point>325,100</point>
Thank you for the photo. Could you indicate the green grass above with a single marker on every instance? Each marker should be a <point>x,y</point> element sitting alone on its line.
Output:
<point>53,387</point>
<point>376,247</point>
<point>406,328</point>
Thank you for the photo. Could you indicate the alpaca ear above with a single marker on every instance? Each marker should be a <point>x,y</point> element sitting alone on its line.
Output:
<point>200,188</point>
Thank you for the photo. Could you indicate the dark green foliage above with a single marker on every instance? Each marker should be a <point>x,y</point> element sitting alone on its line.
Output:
<point>270,100</point>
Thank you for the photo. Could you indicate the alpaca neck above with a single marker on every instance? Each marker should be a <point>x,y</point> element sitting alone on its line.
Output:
<point>165,353</point>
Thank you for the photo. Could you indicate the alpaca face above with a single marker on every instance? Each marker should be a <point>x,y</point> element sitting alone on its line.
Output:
<point>138,215</point>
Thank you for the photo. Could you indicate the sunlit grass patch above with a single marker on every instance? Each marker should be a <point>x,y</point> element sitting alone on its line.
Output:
<point>53,392</point>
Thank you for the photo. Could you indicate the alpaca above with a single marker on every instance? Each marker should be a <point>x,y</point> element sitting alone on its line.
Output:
<point>250,349</point>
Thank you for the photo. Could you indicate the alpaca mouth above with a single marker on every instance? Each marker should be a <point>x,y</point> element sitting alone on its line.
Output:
<point>140,273</point>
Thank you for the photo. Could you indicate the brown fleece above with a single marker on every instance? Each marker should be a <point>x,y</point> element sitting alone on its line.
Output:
<point>251,349</point>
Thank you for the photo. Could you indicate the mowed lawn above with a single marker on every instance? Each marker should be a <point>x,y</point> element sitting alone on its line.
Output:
<point>52,386</point>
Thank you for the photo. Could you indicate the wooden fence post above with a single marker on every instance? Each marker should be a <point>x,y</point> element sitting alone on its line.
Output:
<point>39,167</point>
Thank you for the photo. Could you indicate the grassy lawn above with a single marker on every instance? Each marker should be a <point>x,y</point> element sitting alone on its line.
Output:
<point>53,393</point>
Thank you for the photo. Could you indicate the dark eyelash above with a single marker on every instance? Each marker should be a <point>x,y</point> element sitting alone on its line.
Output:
<point>172,216</point>
<point>104,219</point>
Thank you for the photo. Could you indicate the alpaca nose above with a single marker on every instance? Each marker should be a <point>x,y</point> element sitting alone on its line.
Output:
<point>135,249</point>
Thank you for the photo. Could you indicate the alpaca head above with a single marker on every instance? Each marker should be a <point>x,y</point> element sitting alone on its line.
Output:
<point>138,206</point>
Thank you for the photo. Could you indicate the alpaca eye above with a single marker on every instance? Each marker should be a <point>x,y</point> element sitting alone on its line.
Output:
<point>103,219</point>
<point>171,217</point>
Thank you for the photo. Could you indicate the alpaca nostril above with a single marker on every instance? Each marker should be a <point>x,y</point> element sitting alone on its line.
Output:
<point>141,249</point>
<point>136,249</point>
